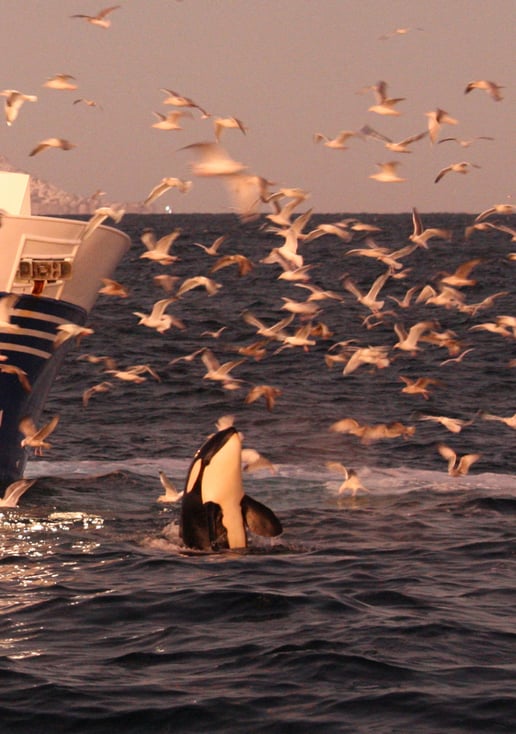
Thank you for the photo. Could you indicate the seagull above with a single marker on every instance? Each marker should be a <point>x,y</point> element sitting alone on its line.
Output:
<point>14,491</point>
<point>13,102</point>
<point>509,420</point>
<point>457,466</point>
<point>466,142</point>
<point>459,278</point>
<point>61,82</point>
<point>170,121</point>
<point>384,105</point>
<point>275,332</point>
<point>491,88</point>
<point>252,460</point>
<point>454,425</point>
<point>213,249</point>
<point>165,184</point>
<point>171,493</point>
<point>418,386</point>
<point>87,102</point>
<point>214,160</point>
<point>407,341</point>
<point>338,142</point>
<point>351,481</point>
<point>100,19</point>
<point>158,250</point>
<point>176,99</point>
<point>400,147</point>
<point>496,209</point>
<point>70,331</point>
<point>113,288</point>
<point>134,373</point>
<point>367,355</point>
<point>99,216</point>
<point>244,264</point>
<point>387,173</point>
<point>35,438</point>
<point>268,392</point>
<point>52,143</point>
<point>7,304</point>
<point>220,372</point>
<point>198,281</point>
<point>158,319</point>
<point>436,119</point>
<point>369,299</point>
<point>461,167</point>
<point>11,369</point>
<point>420,236</point>
<point>100,387</point>
<point>225,123</point>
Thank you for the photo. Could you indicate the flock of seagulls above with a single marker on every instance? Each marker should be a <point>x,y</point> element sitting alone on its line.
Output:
<point>303,327</point>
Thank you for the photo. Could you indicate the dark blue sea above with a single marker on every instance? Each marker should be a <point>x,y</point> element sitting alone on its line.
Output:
<point>386,612</point>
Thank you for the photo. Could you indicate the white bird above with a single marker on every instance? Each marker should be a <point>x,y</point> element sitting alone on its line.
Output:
<point>461,167</point>
<point>171,492</point>
<point>158,319</point>
<point>212,249</point>
<point>100,19</point>
<point>454,425</point>
<point>199,281</point>
<point>99,387</point>
<point>338,142</point>
<point>113,288</point>
<point>220,372</point>
<point>178,100</point>
<point>252,460</point>
<point>437,118</point>
<point>214,160</point>
<point>165,184</point>
<point>52,143</point>
<point>12,369</point>
<point>399,147</point>
<point>465,142</point>
<point>99,216</point>
<point>420,236</point>
<point>509,420</point>
<point>227,123</point>
<point>407,341</point>
<point>369,299</point>
<point>158,250</point>
<point>351,481</point>
<point>491,88</point>
<point>65,82</point>
<point>13,102</point>
<point>387,173</point>
<point>34,437</point>
<point>70,331</point>
<point>14,491</point>
<point>457,466</point>
<point>496,209</point>
<point>7,304</point>
<point>384,105</point>
<point>171,120</point>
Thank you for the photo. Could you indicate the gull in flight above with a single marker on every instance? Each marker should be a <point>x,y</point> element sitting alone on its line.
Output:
<point>100,19</point>
<point>244,264</point>
<point>351,481</point>
<point>12,369</point>
<point>397,32</point>
<point>214,160</point>
<point>268,392</point>
<point>220,372</point>
<point>7,304</point>
<point>171,492</point>
<point>461,167</point>
<point>419,386</point>
<point>227,123</point>
<point>87,102</point>
<point>158,319</point>
<point>99,216</point>
<point>70,331</point>
<point>168,183</point>
<point>14,491</point>
<point>275,332</point>
<point>407,341</point>
<point>113,288</point>
<point>13,103</point>
<point>366,355</point>
<point>421,236</point>
<point>134,373</point>
<point>52,143</point>
<point>170,121</point>
<point>465,143</point>
<point>100,387</point>
<point>35,438</point>
<point>496,209</point>
<point>368,433</point>
<point>400,147</point>
<point>338,142</point>
<point>509,420</point>
<point>457,466</point>
<point>252,460</point>
<point>61,82</point>
<point>387,173</point>
<point>491,88</point>
<point>436,119</point>
<point>178,100</point>
<point>212,249</point>
<point>454,425</point>
<point>199,281</point>
<point>158,250</point>
<point>384,105</point>
<point>369,299</point>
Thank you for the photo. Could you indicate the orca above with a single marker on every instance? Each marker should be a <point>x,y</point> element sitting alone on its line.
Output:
<point>215,511</point>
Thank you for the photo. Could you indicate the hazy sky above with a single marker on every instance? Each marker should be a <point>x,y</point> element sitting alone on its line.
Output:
<point>287,69</point>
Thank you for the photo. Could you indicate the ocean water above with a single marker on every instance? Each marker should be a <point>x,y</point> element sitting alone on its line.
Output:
<point>386,612</point>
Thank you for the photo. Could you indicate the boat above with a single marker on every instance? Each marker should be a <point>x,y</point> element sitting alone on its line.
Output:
<point>51,269</point>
